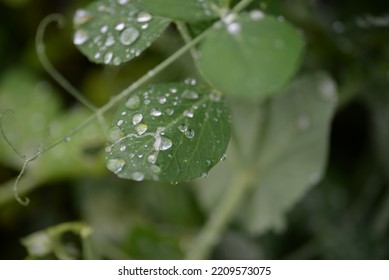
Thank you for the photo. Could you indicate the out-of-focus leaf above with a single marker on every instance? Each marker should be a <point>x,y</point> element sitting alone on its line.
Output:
<point>80,155</point>
<point>33,105</point>
<point>114,32</point>
<point>292,157</point>
<point>168,132</point>
<point>251,55</point>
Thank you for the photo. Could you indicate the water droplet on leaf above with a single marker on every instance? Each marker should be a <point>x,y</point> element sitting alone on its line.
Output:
<point>116,165</point>
<point>80,37</point>
<point>138,176</point>
<point>137,118</point>
<point>143,17</point>
<point>129,36</point>
<point>133,102</point>
<point>141,128</point>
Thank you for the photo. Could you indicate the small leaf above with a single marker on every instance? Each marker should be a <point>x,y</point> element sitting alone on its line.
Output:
<point>168,132</point>
<point>250,55</point>
<point>115,31</point>
<point>188,10</point>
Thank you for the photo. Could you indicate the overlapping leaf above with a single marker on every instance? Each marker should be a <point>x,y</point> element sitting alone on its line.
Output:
<point>292,157</point>
<point>115,31</point>
<point>251,55</point>
<point>168,132</point>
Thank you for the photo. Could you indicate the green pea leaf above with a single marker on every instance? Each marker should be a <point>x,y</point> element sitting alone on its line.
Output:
<point>250,55</point>
<point>294,146</point>
<point>168,132</point>
<point>115,31</point>
<point>188,10</point>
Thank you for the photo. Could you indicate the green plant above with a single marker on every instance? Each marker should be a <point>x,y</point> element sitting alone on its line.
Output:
<point>176,132</point>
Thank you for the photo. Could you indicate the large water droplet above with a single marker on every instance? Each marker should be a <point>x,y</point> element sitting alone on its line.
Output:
<point>129,36</point>
<point>137,118</point>
<point>114,134</point>
<point>182,127</point>
<point>110,41</point>
<point>81,17</point>
<point>116,165</point>
<point>190,133</point>
<point>133,102</point>
<point>120,26</point>
<point>108,57</point>
<point>152,158</point>
<point>155,169</point>
<point>256,15</point>
<point>166,144</point>
<point>189,94</point>
<point>143,17</point>
<point>80,37</point>
<point>141,128</point>
<point>138,176</point>
<point>155,112</point>
<point>188,113</point>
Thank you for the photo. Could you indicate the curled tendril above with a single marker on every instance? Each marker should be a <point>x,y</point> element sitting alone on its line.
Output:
<point>41,52</point>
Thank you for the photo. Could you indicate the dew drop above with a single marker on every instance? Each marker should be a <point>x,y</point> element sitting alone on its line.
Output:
<point>143,17</point>
<point>129,36</point>
<point>117,61</point>
<point>110,41</point>
<point>223,158</point>
<point>182,127</point>
<point>188,113</point>
<point>152,158</point>
<point>137,118</point>
<point>162,99</point>
<point>141,128</point>
<point>122,2</point>
<point>233,28</point>
<point>116,165</point>
<point>138,176</point>
<point>122,148</point>
<point>119,122</point>
<point>80,37</point>
<point>204,174</point>
<point>97,55</point>
<point>104,29</point>
<point>169,111</point>
<point>166,144</point>
<point>189,94</point>
<point>144,26</point>
<point>155,112</point>
<point>155,169</point>
<point>215,96</point>
<point>133,102</point>
<point>256,15</point>
<point>120,26</point>
<point>67,139</point>
<point>114,134</point>
<point>81,17</point>
<point>190,133</point>
<point>108,57</point>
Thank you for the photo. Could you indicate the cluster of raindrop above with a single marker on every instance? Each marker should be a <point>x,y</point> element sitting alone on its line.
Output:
<point>143,123</point>
<point>125,25</point>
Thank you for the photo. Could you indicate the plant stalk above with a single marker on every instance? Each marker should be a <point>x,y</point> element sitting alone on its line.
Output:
<point>225,210</point>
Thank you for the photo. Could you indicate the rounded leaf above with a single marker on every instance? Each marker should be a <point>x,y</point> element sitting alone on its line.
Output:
<point>168,132</point>
<point>250,55</point>
<point>115,31</point>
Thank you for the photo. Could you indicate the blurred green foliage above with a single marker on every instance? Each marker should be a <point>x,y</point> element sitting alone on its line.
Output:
<point>345,216</point>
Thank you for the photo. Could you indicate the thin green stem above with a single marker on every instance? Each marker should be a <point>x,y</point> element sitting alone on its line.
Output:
<point>7,191</point>
<point>5,136</point>
<point>241,5</point>
<point>184,32</point>
<point>211,233</point>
